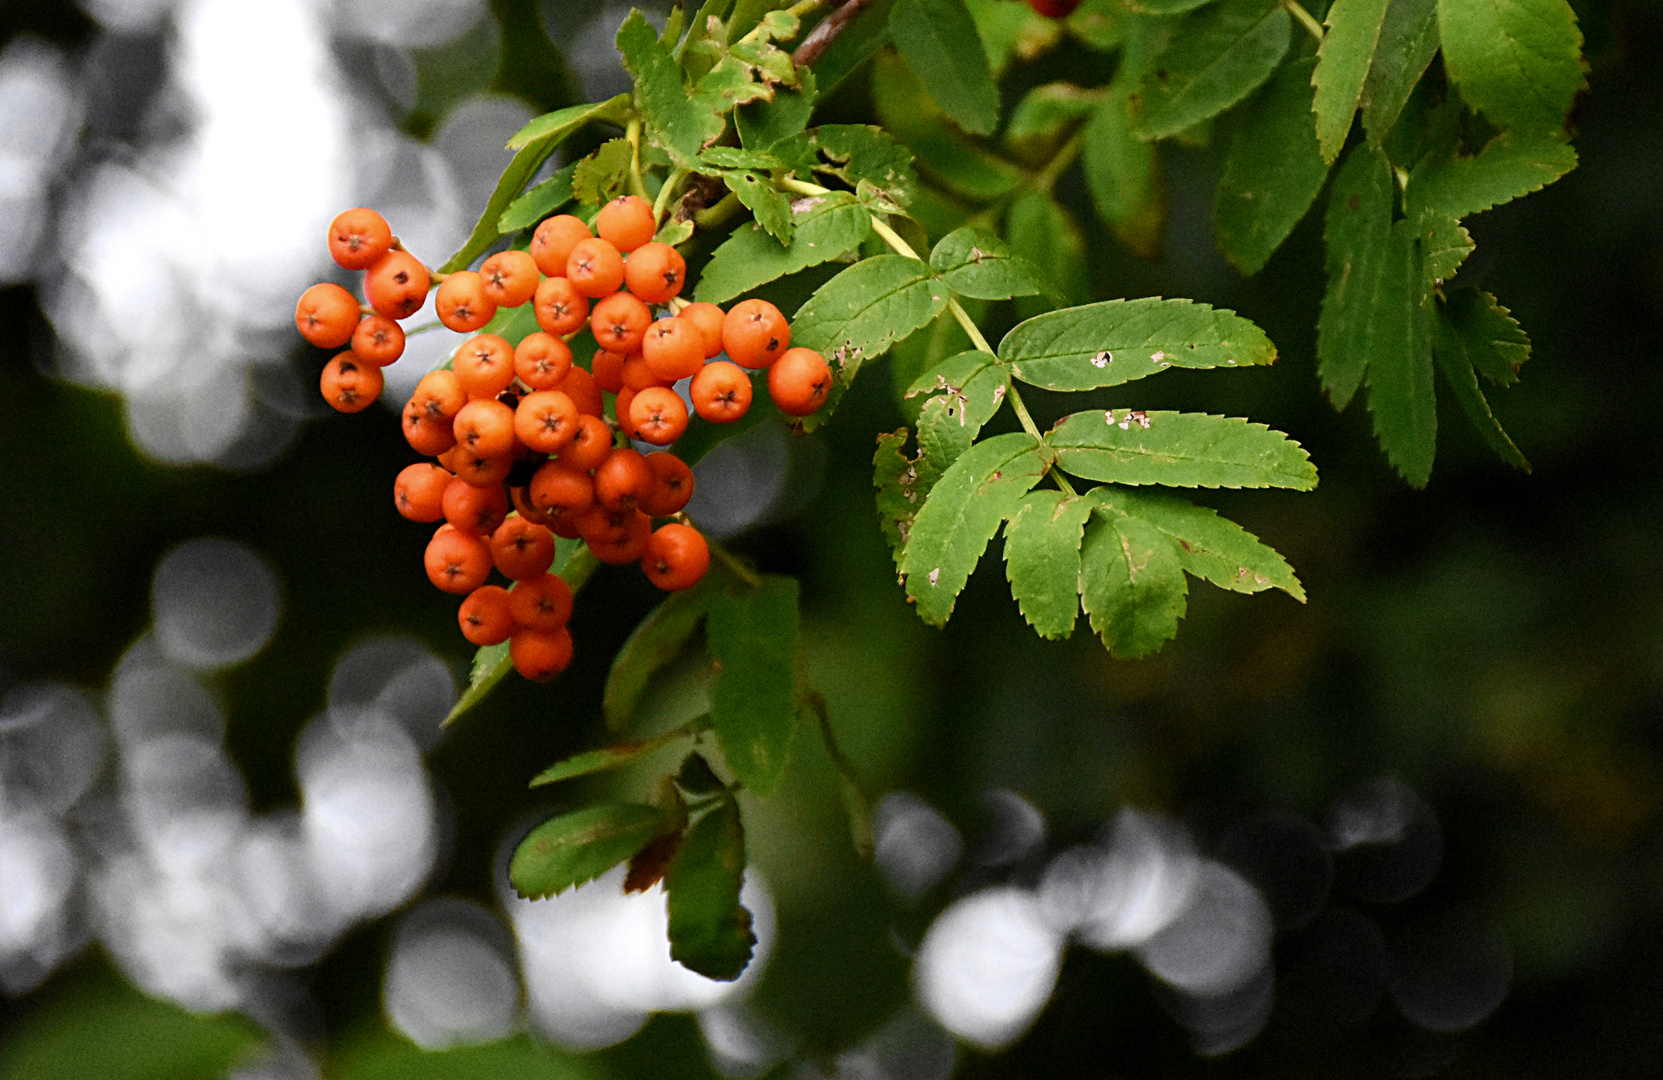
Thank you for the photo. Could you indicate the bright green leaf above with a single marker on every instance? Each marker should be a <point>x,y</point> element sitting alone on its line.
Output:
<point>1218,55</point>
<point>752,635</point>
<point>1212,548</point>
<point>1519,62</point>
<point>1445,245</point>
<point>976,380</point>
<point>938,40</point>
<point>762,124</point>
<point>766,202</point>
<point>1131,584</point>
<point>1046,114</point>
<point>1455,361</point>
<point>1178,449</point>
<point>824,227</point>
<point>717,158</point>
<point>1343,62</point>
<point>975,262</point>
<point>1358,234</point>
<point>863,152</point>
<point>1274,172</point>
<point>1511,165</point>
<point>574,848</point>
<point>654,642</point>
<point>600,177</point>
<point>1491,338</point>
<point>710,931</point>
<point>1401,395</point>
<point>682,122</point>
<point>1042,560</point>
<point>539,202</point>
<point>1124,175</point>
<point>944,434</point>
<point>893,475</point>
<point>615,757</point>
<point>562,122</point>
<point>1408,41</point>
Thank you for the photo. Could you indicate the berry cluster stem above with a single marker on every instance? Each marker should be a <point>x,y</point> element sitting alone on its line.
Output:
<point>665,194</point>
<point>633,134</point>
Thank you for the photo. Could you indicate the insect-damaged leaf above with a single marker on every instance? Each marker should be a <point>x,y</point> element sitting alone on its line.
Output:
<point>1212,548</point>
<point>1116,341</point>
<point>766,202</point>
<point>578,847</point>
<point>1042,559</point>
<point>974,262</point>
<point>710,931</point>
<point>752,635</point>
<point>1217,56</point>
<point>682,121</point>
<point>1131,584</point>
<point>963,511</point>
<point>1509,166</point>
<point>979,380</point>
<point>1176,449</point>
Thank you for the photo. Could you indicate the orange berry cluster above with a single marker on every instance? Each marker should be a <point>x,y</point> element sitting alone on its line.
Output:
<point>524,450</point>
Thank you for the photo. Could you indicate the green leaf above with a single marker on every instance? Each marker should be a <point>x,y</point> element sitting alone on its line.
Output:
<point>615,757</point>
<point>938,40</point>
<point>1519,62</point>
<point>1131,584</point>
<point>1042,560</point>
<point>1178,449</point>
<point>1445,245</point>
<point>718,158</point>
<point>893,476</point>
<point>697,780</point>
<point>752,636</point>
<point>975,262</point>
<point>600,177</point>
<point>710,931</point>
<point>1218,55</point>
<point>859,41</point>
<point>978,381</point>
<point>1116,341</point>
<point>1124,175</point>
<point>1274,172</point>
<point>963,511</point>
<point>1488,334</point>
<point>1510,165</point>
<point>539,202</point>
<point>1343,62</point>
<point>1454,358</point>
<point>764,124</point>
<point>1358,234</point>
<point>1099,24</point>
<point>765,201</point>
<point>1165,7</point>
<point>824,227</point>
<point>1042,231</point>
<point>943,435</point>
<point>1401,396</point>
<point>535,142</point>
<point>1408,41</point>
<point>1212,548</point>
<point>654,642</point>
<point>682,122</point>
<point>574,848</point>
<point>863,152</point>
<point>1046,114</point>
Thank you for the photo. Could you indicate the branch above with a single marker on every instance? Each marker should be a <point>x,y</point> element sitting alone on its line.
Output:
<point>821,37</point>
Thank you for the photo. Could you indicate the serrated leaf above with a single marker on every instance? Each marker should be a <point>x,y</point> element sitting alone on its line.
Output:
<point>1042,231</point>
<point>718,158</point>
<point>574,848</point>
<point>955,162</point>
<point>943,434</point>
<point>1510,165</point>
<point>1401,396</point>
<point>681,122</point>
<point>1042,560</point>
<point>535,142</point>
<point>939,42</point>
<point>893,476</point>
<point>1455,361</point>
<point>974,262</point>
<point>1519,62</point>
<point>539,202</point>
<point>710,931</point>
<point>824,227</point>
<point>752,636</point>
<point>1124,176</point>
<point>1342,66</point>
<point>1212,548</point>
<point>977,380</point>
<point>963,511</point>
<point>864,152</point>
<point>1178,449</point>
<point>1116,341</point>
<point>654,642</point>
<point>764,124</point>
<point>1046,114</point>
<point>615,757</point>
<point>1445,245</point>
<point>598,178</point>
<point>1492,339</point>
<point>1357,236</point>
<point>1408,41</point>
<point>766,202</point>
<point>1131,584</point>
<point>1274,172</point>
<point>674,232</point>
<point>1217,56</point>
<point>767,60</point>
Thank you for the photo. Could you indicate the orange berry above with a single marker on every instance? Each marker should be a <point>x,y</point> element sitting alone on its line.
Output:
<point>658,415</point>
<point>540,656</point>
<point>425,435</point>
<point>676,557</point>
<point>628,548</point>
<point>419,491</point>
<point>429,414</point>
<point>598,525</point>
<point>457,562</point>
<point>520,498</point>
<point>396,286</point>
<point>621,479</point>
<point>357,238</point>
<point>552,243</point>
<point>378,340</point>
<point>486,427</point>
<point>461,303</point>
<point>620,411</point>
<point>326,315</point>
<point>560,309</point>
<point>608,369</point>
<point>636,375</point>
<point>799,382</point>
<point>470,509</point>
<point>485,617</point>
<point>580,386</point>
<point>349,384</point>
<point>484,365</point>
<point>541,601</point>
<point>672,485</point>
<point>509,278</point>
<point>590,444</point>
<point>595,268</point>
<point>721,392</point>
<point>522,549</point>
<point>619,321</point>
<point>545,421</point>
<point>655,272</point>
<point>754,333</point>
<point>483,470</point>
<point>561,492</point>
<point>626,222</point>
<point>709,319</point>
<point>542,360</point>
<point>673,349</point>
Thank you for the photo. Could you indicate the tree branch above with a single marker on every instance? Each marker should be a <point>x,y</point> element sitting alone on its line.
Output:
<point>823,35</point>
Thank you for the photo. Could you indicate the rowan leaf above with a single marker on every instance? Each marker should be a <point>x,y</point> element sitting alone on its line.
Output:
<point>1043,232</point>
<point>1217,56</point>
<point>655,641</point>
<point>1488,334</point>
<point>764,124</point>
<point>766,202</point>
<point>717,158</point>
<point>1042,560</point>
<point>1131,584</point>
<point>1357,236</point>
<point>1123,174</point>
<point>752,636</point>
<point>1165,7</point>
<point>1519,62</point>
<point>823,228</point>
<point>860,40</point>
<point>1401,395</point>
<point>974,378</point>
<point>1510,165</point>
<point>865,152</point>
<point>939,42</point>
<point>1445,245</point>
<point>710,931</point>
<point>1116,341</point>
<point>1212,548</point>
<point>962,512</point>
<point>599,177</point>
<point>1343,62</point>
<point>539,202</point>
<point>1408,41</point>
<point>615,757</point>
<point>1178,449</point>
<point>894,477</point>
<point>1274,171</point>
<point>974,262</point>
<point>681,122</point>
<point>944,433</point>
<point>574,848</point>
<point>1046,114</point>
<point>1455,361</point>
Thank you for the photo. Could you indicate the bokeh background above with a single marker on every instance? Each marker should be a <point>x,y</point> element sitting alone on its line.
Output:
<point>1411,828</point>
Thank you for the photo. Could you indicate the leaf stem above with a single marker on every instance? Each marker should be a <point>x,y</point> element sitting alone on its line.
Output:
<point>713,216</point>
<point>1305,18</point>
<point>633,134</point>
<point>801,187</point>
<point>893,239</point>
<point>1046,178</point>
<point>665,193</point>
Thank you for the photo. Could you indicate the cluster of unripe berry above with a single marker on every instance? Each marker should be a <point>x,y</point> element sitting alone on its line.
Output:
<point>525,452</point>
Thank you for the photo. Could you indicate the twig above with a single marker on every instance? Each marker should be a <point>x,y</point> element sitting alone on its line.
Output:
<point>821,37</point>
